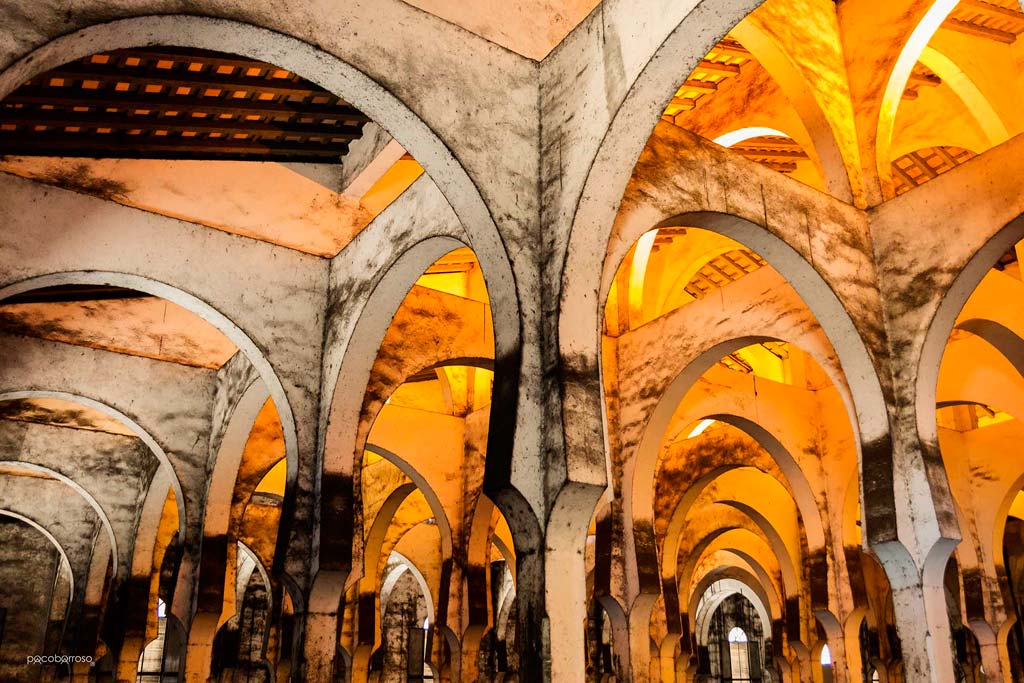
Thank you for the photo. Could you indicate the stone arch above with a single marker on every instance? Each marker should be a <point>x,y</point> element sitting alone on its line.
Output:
<point>851,643</point>
<point>867,410</point>
<point>735,584</point>
<point>379,103</point>
<point>407,565</point>
<point>420,482</point>
<point>803,495</point>
<point>81,491</point>
<point>976,102</point>
<point>316,65</point>
<point>507,554</point>
<point>65,560</point>
<point>340,442</point>
<point>851,513</point>
<point>768,539</point>
<point>138,430</point>
<point>476,573</point>
<point>228,458</point>
<point>196,305</point>
<point>220,493</point>
<point>635,108</point>
<point>368,636</point>
<point>258,564</point>
<point>669,560</point>
<point>790,578</point>
<point>148,525</point>
<point>999,527</point>
<point>940,325</point>
<point>866,406</point>
<point>759,581</point>
<point>649,448</point>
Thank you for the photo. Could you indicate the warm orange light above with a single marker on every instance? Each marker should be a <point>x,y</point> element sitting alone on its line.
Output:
<point>274,480</point>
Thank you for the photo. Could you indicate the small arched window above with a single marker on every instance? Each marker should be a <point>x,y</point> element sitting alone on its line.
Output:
<point>739,655</point>
<point>826,656</point>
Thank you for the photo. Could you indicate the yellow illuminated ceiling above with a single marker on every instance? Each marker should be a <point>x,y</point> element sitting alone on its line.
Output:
<point>394,182</point>
<point>449,390</point>
<point>670,267</point>
<point>274,480</point>
<point>457,273</point>
<point>768,360</point>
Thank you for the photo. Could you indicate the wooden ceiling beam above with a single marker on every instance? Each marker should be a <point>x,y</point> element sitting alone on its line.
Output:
<point>906,176</point>
<point>780,166</point>
<point>715,267</point>
<point>763,153</point>
<point>731,50</point>
<point>925,79</point>
<point>994,11</point>
<point>685,103</point>
<point>699,86</point>
<point>922,164</point>
<point>104,99</point>
<point>72,293</point>
<point>171,79</point>
<point>966,27</point>
<point>718,67</point>
<point>187,56</point>
<point>144,147</point>
<point>60,120</point>
<point>206,106</point>
<point>947,157</point>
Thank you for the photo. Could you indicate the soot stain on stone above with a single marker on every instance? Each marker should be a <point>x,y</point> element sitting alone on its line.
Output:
<point>80,178</point>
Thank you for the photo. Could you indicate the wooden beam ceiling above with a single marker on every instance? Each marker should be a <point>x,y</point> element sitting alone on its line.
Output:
<point>725,61</point>
<point>173,103</point>
<point>917,168</point>
<point>998,20</point>
<point>722,270</point>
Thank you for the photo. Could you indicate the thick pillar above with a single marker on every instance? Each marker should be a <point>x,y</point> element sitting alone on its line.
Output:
<point>469,659</point>
<point>923,626</point>
<point>668,658</point>
<point>319,647</point>
<point>199,651</point>
<point>640,638</point>
<point>128,659</point>
<point>321,627</point>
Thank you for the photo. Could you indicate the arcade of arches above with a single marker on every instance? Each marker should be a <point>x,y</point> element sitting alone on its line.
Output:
<point>537,341</point>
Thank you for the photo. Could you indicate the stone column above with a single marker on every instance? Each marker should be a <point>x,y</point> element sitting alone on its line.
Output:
<point>199,651</point>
